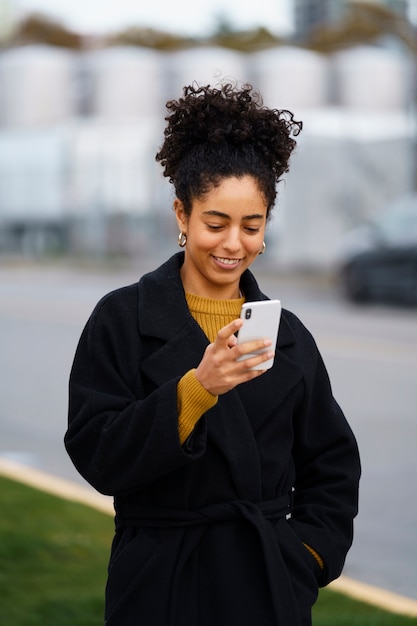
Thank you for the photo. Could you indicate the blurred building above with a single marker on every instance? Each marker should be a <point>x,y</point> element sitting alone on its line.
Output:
<point>309,14</point>
<point>79,132</point>
<point>401,7</point>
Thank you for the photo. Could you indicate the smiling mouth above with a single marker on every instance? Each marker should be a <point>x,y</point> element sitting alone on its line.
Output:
<point>225,261</point>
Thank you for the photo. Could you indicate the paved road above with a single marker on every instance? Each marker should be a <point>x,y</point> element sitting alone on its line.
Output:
<point>371,355</point>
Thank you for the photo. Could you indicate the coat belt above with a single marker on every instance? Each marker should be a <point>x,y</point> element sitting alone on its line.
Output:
<point>257,514</point>
<point>158,517</point>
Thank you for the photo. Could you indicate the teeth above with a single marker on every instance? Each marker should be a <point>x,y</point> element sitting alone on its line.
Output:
<point>228,261</point>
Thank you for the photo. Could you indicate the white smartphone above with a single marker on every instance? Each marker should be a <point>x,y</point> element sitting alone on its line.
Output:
<point>261,321</point>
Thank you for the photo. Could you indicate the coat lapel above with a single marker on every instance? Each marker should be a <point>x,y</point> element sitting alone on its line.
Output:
<point>180,353</point>
<point>264,396</point>
<point>231,432</point>
<point>174,343</point>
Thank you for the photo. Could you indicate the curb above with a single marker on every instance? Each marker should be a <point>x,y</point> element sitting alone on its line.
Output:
<point>68,490</point>
<point>60,487</point>
<point>381,598</point>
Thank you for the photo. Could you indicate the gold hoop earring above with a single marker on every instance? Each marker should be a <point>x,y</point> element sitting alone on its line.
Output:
<point>182,239</point>
<point>263,248</point>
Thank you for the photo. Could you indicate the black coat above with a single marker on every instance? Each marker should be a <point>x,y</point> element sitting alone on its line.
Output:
<point>203,531</point>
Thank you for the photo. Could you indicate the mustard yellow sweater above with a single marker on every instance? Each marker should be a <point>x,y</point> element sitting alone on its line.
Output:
<point>193,400</point>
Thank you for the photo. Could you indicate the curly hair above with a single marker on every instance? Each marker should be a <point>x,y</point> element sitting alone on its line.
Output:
<point>214,133</point>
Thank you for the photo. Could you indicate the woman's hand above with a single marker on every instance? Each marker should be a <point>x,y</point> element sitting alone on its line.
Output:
<point>220,371</point>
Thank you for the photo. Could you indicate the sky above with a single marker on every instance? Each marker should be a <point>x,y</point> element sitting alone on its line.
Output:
<point>192,18</point>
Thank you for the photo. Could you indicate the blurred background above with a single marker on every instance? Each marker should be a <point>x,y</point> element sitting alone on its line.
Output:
<point>84,207</point>
<point>82,105</point>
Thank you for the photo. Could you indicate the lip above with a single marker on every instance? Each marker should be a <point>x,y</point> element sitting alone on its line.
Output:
<point>227,263</point>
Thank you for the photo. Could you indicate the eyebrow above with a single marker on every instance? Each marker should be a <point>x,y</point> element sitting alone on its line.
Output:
<point>254,216</point>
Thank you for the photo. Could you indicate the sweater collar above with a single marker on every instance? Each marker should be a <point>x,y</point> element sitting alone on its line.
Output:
<point>163,310</point>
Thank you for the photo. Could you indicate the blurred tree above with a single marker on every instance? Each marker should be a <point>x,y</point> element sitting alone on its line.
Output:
<point>150,38</point>
<point>224,35</point>
<point>245,41</point>
<point>364,23</point>
<point>37,28</point>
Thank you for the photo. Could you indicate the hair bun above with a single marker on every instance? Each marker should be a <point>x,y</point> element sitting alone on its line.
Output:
<point>215,132</point>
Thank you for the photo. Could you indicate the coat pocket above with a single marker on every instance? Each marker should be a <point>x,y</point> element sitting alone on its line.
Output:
<point>303,568</point>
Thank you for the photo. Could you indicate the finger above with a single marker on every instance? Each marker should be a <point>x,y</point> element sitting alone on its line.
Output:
<point>253,361</point>
<point>232,341</point>
<point>227,333</point>
<point>249,347</point>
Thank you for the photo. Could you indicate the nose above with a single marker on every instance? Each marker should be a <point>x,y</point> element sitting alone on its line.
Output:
<point>231,241</point>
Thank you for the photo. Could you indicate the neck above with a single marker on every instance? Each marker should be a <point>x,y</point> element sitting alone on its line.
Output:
<point>215,292</point>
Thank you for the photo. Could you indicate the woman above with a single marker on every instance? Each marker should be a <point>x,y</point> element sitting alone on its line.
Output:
<point>234,489</point>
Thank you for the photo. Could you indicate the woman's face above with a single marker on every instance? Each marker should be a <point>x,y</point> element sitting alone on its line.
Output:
<point>224,232</point>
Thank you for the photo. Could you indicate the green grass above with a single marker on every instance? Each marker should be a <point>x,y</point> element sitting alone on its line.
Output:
<point>53,560</point>
<point>53,556</point>
<point>335,609</point>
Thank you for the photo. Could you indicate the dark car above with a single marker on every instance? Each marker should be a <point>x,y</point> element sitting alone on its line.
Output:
<point>379,258</point>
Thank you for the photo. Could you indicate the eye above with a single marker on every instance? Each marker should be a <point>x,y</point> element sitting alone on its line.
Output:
<point>252,230</point>
<point>214,227</point>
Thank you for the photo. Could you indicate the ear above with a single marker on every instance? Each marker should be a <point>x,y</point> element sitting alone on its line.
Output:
<point>181,216</point>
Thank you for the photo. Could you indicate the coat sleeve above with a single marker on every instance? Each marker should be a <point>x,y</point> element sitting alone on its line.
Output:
<point>120,438</point>
<point>327,468</point>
